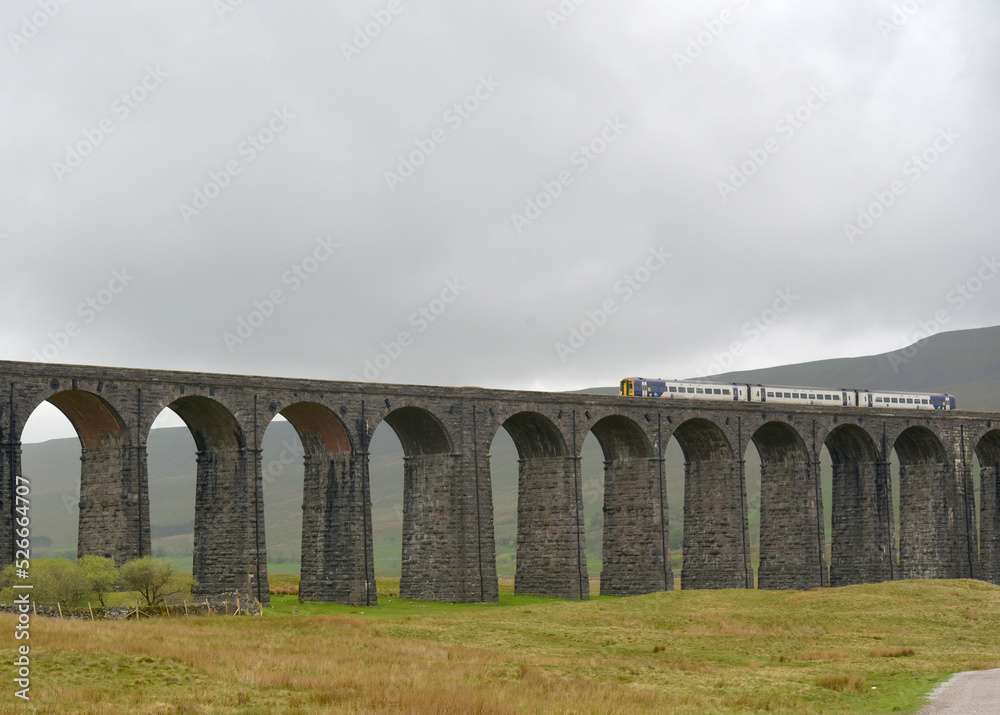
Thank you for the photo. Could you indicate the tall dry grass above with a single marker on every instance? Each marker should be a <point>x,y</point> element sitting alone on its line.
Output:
<point>309,665</point>
<point>693,651</point>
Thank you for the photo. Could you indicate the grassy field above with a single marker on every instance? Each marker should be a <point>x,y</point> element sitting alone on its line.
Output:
<point>874,648</point>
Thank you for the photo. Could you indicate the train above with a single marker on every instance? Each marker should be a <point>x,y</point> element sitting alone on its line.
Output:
<point>780,394</point>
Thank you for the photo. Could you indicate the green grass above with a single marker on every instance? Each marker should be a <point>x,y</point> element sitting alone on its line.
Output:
<point>873,648</point>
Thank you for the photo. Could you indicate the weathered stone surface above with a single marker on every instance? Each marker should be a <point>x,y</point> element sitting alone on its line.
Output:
<point>933,519</point>
<point>863,548</point>
<point>337,553</point>
<point>792,535</point>
<point>989,535</point>
<point>449,549</point>
<point>551,548</point>
<point>636,544</point>
<point>636,529</point>
<point>863,544</point>
<point>716,550</point>
<point>228,521</point>
<point>111,510</point>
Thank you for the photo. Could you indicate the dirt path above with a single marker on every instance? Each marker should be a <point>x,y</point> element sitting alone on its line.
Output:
<point>973,692</point>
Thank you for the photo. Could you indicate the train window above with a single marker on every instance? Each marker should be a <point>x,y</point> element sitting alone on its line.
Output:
<point>770,394</point>
<point>894,400</point>
<point>673,389</point>
<point>795,395</point>
<point>812,397</point>
<point>909,400</point>
<point>830,397</point>
<point>700,391</point>
<point>717,390</point>
<point>788,394</point>
<point>878,399</point>
<point>726,391</point>
<point>924,402</point>
<point>691,390</point>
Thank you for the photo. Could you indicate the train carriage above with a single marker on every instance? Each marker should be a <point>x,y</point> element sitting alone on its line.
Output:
<point>683,389</point>
<point>778,394</point>
<point>805,396</point>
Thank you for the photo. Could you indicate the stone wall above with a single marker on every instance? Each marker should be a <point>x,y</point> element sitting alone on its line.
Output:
<point>114,504</point>
<point>337,552</point>
<point>990,523</point>
<point>551,544</point>
<point>863,543</point>
<point>716,530</point>
<point>449,551</point>
<point>229,521</point>
<point>792,535</point>
<point>636,528</point>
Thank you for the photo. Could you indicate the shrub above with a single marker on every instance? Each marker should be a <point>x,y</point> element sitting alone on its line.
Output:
<point>53,581</point>
<point>152,578</point>
<point>101,574</point>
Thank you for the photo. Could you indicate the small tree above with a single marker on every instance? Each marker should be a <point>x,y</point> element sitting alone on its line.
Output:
<point>101,574</point>
<point>152,578</point>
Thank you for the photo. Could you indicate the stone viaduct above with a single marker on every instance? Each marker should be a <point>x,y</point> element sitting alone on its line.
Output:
<point>448,535</point>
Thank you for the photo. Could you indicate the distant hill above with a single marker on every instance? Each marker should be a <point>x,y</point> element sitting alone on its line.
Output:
<point>964,363</point>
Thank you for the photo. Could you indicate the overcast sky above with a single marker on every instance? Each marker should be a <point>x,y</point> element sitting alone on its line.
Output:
<point>532,195</point>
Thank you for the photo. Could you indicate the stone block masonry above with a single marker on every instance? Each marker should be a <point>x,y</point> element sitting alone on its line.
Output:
<point>449,552</point>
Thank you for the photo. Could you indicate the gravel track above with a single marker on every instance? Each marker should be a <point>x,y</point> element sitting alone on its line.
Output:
<point>977,691</point>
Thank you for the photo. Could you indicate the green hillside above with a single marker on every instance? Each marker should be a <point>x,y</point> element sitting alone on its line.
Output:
<point>963,363</point>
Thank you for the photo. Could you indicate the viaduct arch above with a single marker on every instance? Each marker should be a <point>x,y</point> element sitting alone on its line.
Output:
<point>449,552</point>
